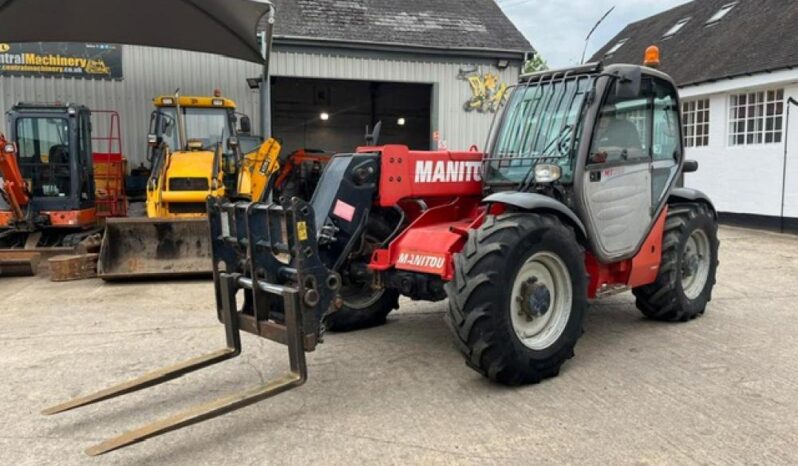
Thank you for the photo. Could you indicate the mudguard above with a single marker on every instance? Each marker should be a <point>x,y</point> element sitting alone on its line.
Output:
<point>691,195</point>
<point>535,201</point>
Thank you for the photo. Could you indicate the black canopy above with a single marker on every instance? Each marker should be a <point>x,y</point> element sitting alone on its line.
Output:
<point>225,27</point>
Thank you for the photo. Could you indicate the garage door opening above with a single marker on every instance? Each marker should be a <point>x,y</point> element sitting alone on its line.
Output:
<point>332,115</point>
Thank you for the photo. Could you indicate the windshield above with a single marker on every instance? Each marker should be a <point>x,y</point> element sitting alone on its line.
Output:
<point>209,125</point>
<point>44,154</point>
<point>539,123</point>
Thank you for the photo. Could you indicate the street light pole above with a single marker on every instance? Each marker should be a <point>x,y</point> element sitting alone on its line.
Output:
<point>589,34</point>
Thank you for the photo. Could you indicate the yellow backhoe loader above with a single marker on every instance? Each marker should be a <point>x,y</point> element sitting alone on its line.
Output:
<point>195,152</point>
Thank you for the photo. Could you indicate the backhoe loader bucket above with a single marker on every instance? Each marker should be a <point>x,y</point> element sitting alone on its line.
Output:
<point>269,254</point>
<point>155,248</point>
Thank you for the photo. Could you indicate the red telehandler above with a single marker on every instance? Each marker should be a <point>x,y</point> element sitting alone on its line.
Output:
<point>576,198</point>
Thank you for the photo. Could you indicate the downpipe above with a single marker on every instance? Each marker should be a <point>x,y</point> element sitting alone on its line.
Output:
<point>791,101</point>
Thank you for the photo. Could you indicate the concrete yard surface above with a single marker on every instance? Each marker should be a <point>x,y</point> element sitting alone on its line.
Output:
<point>722,389</point>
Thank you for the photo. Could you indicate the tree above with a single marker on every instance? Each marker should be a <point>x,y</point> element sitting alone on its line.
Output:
<point>536,63</point>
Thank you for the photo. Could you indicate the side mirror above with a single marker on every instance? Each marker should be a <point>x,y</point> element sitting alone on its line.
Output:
<point>245,125</point>
<point>690,166</point>
<point>152,140</point>
<point>232,142</point>
<point>629,84</point>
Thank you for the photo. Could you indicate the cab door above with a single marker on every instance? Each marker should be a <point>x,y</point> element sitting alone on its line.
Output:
<point>617,184</point>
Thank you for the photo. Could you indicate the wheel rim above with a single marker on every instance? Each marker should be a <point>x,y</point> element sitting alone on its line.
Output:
<point>695,264</point>
<point>360,298</point>
<point>362,295</point>
<point>541,300</point>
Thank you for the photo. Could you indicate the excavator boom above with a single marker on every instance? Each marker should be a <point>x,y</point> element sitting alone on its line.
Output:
<point>14,191</point>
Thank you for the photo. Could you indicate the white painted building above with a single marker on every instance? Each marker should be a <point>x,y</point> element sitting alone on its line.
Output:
<point>735,64</point>
<point>742,160</point>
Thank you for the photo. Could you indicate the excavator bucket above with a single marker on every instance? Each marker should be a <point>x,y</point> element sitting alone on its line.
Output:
<point>270,281</point>
<point>155,248</point>
<point>18,263</point>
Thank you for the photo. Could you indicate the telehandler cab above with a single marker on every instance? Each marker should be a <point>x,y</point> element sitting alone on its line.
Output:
<point>576,198</point>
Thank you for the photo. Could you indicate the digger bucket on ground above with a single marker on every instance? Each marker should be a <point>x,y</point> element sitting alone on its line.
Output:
<point>18,263</point>
<point>155,248</point>
<point>266,254</point>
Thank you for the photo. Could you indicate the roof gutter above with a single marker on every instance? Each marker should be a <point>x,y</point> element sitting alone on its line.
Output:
<point>736,75</point>
<point>472,52</point>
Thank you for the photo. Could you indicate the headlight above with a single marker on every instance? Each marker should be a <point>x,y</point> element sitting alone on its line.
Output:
<point>167,101</point>
<point>217,102</point>
<point>546,173</point>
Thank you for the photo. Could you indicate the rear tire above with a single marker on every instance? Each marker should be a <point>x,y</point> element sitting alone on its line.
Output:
<point>688,267</point>
<point>518,298</point>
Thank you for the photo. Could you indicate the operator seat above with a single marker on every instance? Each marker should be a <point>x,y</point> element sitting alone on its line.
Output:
<point>621,137</point>
<point>58,161</point>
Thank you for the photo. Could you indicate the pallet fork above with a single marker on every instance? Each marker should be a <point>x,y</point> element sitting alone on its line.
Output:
<point>287,291</point>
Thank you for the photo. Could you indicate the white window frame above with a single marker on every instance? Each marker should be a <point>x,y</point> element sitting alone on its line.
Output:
<point>616,47</point>
<point>676,27</point>
<point>720,14</point>
<point>695,122</point>
<point>756,117</point>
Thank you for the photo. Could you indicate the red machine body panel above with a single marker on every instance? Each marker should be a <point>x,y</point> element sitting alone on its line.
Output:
<point>13,182</point>
<point>73,218</point>
<point>429,244</point>
<point>410,174</point>
<point>638,271</point>
<point>5,218</point>
<point>441,194</point>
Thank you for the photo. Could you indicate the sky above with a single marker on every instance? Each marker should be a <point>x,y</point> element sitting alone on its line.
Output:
<point>557,28</point>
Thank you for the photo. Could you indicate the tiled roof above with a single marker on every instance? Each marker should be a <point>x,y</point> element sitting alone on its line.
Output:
<point>755,36</point>
<point>447,24</point>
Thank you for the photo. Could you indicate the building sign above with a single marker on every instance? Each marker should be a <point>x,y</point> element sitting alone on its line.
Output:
<point>488,94</point>
<point>73,60</point>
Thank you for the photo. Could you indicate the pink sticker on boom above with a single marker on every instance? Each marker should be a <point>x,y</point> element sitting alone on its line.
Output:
<point>344,210</point>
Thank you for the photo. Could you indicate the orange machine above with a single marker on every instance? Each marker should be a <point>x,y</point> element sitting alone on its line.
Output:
<point>47,168</point>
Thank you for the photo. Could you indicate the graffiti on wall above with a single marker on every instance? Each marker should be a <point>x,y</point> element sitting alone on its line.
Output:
<point>488,93</point>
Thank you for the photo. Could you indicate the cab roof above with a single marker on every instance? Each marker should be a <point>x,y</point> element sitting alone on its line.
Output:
<point>48,107</point>
<point>194,102</point>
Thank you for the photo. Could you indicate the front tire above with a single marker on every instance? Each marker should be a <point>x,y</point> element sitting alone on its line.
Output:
<point>518,299</point>
<point>689,264</point>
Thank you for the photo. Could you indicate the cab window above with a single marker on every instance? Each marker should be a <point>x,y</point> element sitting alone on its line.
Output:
<point>622,130</point>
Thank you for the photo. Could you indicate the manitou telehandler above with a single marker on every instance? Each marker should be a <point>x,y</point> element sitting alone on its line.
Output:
<point>575,198</point>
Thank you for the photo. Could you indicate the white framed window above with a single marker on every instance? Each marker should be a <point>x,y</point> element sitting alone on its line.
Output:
<point>676,28</point>
<point>695,122</point>
<point>724,10</point>
<point>616,47</point>
<point>756,117</point>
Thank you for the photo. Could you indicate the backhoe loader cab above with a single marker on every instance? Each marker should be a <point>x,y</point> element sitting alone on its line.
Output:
<point>187,167</point>
<point>575,199</point>
<point>52,150</point>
